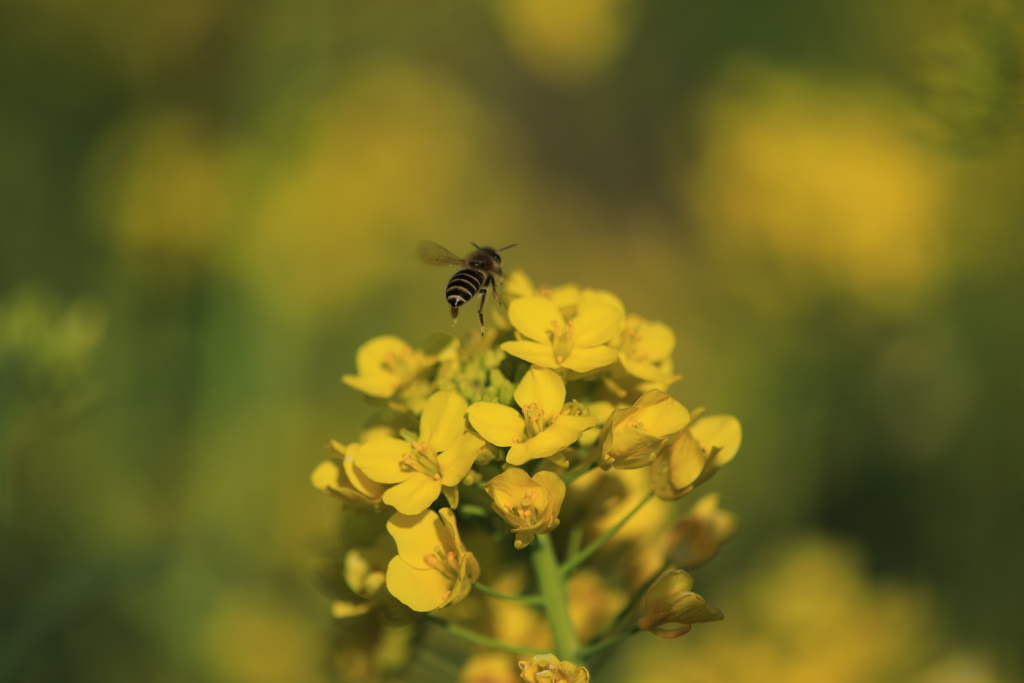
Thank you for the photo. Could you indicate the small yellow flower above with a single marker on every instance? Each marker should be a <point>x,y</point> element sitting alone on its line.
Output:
<point>363,570</point>
<point>645,351</point>
<point>580,344</point>
<point>695,454</point>
<point>632,434</point>
<point>344,479</point>
<point>550,669</point>
<point>531,506</point>
<point>433,569</point>
<point>671,609</point>
<point>440,456</point>
<point>696,538</point>
<point>385,365</point>
<point>543,430</point>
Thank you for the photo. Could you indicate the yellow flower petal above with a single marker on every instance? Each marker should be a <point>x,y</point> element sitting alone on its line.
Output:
<point>380,460</point>
<point>414,495</point>
<point>517,285</point>
<point>601,296</point>
<point>374,361</point>
<point>596,324</point>
<point>357,478</point>
<point>500,425</point>
<point>678,465</point>
<point>433,568</point>
<point>557,437</point>
<point>443,419</point>
<point>416,536</point>
<point>531,352</point>
<point>655,340</point>
<point>670,608</point>
<point>543,387</point>
<point>586,359</point>
<point>630,442</point>
<point>660,413</point>
<point>341,609</point>
<point>565,297</point>
<point>719,431</point>
<point>535,317</point>
<point>422,590</point>
<point>325,476</point>
<point>379,385</point>
<point>457,461</point>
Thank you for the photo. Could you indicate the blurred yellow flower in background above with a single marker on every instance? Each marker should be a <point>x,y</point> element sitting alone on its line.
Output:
<point>433,569</point>
<point>567,42</point>
<point>489,667</point>
<point>696,538</point>
<point>826,180</point>
<point>159,183</point>
<point>386,364</point>
<point>345,480</point>
<point>809,611</point>
<point>391,145</point>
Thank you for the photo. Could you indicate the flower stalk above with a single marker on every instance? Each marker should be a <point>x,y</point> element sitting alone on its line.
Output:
<point>550,578</point>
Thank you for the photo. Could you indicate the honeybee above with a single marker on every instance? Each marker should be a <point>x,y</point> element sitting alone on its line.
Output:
<point>478,273</point>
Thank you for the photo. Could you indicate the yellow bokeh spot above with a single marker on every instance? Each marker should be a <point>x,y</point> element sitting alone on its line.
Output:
<point>807,614</point>
<point>383,161</point>
<point>822,180</point>
<point>252,639</point>
<point>565,42</point>
<point>158,185</point>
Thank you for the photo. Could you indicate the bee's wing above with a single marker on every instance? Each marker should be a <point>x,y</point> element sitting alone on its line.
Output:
<point>436,255</point>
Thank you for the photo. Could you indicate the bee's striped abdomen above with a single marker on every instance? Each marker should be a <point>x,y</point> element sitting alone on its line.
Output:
<point>463,286</point>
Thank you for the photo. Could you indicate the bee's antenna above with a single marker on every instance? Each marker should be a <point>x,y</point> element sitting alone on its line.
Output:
<point>508,247</point>
<point>475,245</point>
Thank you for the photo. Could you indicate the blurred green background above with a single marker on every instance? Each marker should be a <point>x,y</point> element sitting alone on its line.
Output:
<point>205,207</point>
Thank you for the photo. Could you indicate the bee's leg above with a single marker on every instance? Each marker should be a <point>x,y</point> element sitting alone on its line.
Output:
<point>480,312</point>
<point>455,315</point>
<point>494,291</point>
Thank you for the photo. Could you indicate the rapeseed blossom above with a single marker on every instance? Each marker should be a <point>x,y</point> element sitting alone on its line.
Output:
<point>433,568</point>
<point>530,505</point>
<point>549,669</point>
<point>671,608</point>
<point>558,418</point>
<point>439,456</point>
<point>544,429</point>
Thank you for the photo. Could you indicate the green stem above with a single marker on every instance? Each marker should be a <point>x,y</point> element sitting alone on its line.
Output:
<point>480,639</point>
<point>596,544</point>
<point>556,603</point>
<point>528,599</point>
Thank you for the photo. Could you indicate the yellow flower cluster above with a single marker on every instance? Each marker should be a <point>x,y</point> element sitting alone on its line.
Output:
<point>564,385</point>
